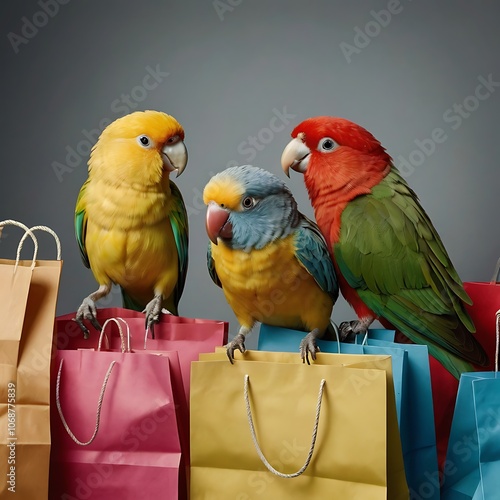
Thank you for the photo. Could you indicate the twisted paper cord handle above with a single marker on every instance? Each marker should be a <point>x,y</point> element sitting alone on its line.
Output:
<point>125,348</point>
<point>254,436</point>
<point>27,232</point>
<point>47,230</point>
<point>99,405</point>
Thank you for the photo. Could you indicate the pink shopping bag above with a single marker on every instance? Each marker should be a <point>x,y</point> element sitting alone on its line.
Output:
<point>114,426</point>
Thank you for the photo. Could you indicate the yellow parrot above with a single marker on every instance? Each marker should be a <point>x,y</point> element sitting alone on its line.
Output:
<point>130,219</point>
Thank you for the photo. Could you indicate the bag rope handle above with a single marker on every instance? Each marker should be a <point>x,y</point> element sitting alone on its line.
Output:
<point>337,336</point>
<point>146,336</point>
<point>99,406</point>
<point>125,348</point>
<point>105,382</point>
<point>47,230</point>
<point>27,231</point>
<point>256,443</point>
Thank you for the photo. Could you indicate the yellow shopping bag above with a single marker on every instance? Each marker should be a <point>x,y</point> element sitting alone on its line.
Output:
<point>271,427</point>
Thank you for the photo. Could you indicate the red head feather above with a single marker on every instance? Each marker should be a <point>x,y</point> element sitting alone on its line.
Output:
<point>356,163</point>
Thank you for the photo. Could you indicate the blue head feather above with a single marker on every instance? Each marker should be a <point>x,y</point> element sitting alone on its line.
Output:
<point>274,214</point>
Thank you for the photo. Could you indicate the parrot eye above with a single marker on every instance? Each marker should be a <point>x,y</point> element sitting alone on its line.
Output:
<point>326,145</point>
<point>248,202</point>
<point>144,141</point>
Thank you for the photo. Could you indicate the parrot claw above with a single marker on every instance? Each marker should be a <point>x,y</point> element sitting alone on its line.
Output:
<point>152,312</point>
<point>308,346</point>
<point>87,311</point>
<point>355,327</point>
<point>237,343</point>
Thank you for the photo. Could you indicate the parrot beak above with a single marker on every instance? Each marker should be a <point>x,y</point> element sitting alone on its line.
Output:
<point>217,223</point>
<point>295,156</point>
<point>175,157</point>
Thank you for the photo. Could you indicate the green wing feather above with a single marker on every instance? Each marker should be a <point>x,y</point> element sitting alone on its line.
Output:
<point>211,267</point>
<point>391,254</point>
<point>179,222</point>
<point>311,251</point>
<point>81,224</point>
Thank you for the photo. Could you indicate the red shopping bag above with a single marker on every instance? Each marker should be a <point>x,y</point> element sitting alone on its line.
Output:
<point>485,303</point>
<point>114,426</point>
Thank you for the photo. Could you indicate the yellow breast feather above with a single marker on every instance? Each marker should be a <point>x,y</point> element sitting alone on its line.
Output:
<point>271,286</point>
<point>129,239</point>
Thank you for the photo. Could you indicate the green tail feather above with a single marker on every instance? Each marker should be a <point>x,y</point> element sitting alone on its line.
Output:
<point>129,303</point>
<point>453,364</point>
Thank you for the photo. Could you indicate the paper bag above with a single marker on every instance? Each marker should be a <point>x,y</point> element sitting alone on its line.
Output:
<point>115,429</point>
<point>349,458</point>
<point>485,302</point>
<point>28,296</point>
<point>473,459</point>
<point>188,336</point>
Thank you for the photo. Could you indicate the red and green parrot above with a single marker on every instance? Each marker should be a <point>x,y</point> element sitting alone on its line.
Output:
<point>390,261</point>
<point>130,219</point>
<point>271,262</point>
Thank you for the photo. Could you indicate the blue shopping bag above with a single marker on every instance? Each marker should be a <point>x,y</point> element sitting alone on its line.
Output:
<point>379,334</point>
<point>473,459</point>
<point>418,435</point>
<point>473,456</point>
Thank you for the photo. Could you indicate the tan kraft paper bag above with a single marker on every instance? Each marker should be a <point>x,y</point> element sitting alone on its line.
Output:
<point>28,296</point>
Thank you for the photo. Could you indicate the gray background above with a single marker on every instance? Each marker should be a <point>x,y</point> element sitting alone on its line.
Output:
<point>231,64</point>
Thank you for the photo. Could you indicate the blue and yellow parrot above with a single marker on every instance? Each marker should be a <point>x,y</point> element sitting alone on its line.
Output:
<point>130,219</point>
<point>270,260</point>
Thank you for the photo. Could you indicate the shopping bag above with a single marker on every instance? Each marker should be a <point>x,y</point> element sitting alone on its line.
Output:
<point>473,458</point>
<point>116,343</point>
<point>485,302</point>
<point>188,336</point>
<point>474,439</point>
<point>274,456</point>
<point>279,339</point>
<point>181,404</point>
<point>418,436</point>
<point>114,426</point>
<point>28,296</point>
<point>444,388</point>
<point>380,334</point>
<point>412,387</point>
